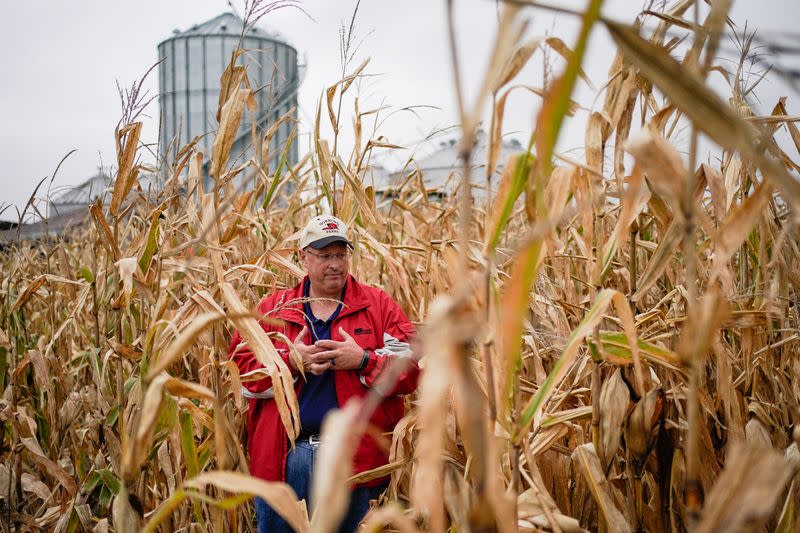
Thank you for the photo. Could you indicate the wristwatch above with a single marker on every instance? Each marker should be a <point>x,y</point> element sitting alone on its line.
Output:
<point>364,362</point>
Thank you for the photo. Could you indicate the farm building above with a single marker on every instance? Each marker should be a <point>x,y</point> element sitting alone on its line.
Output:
<point>441,169</point>
<point>192,63</point>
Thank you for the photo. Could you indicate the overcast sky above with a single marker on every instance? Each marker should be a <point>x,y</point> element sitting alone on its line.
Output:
<point>61,61</point>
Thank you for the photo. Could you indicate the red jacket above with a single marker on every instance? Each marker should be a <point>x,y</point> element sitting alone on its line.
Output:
<point>376,323</point>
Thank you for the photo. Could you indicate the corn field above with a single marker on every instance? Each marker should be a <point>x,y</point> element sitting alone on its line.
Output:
<point>603,349</point>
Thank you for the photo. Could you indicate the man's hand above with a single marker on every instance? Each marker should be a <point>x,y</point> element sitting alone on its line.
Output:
<point>308,352</point>
<point>340,355</point>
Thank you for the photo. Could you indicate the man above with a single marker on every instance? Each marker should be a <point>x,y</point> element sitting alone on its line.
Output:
<point>346,333</point>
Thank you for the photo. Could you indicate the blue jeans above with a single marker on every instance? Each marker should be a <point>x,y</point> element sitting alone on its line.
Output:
<point>299,467</point>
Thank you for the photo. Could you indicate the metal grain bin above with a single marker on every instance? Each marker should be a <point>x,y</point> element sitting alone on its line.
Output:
<point>189,82</point>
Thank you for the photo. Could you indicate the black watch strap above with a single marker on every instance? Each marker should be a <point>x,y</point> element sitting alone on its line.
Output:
<point>364,362</point>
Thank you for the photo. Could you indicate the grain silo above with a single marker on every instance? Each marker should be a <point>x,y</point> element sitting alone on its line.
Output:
<point>189,82</point>
<point>441,170</point>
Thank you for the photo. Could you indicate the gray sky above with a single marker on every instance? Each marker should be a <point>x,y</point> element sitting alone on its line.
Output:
<point>61,59</point>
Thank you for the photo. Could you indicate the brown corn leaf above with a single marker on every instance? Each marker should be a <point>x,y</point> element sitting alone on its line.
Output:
<point>198,415</point>
<point>621,87</point>
<point>787,523</point>
<point>745,495</point>
<point>792,456</point>
<point>780,112</point>
<point>376,473</point>
<point>348,80</point>
<point>277,260</point>
<point>187,389</point>
<point>127,143</point>
<point>665,252</point>
<point>546,438</point>
<point>588,465</point>
<point>662,164</point>
<point>232,113</point>
<point>127,267</point>
<point>366,205</point>
<point>707,111</point>
<point>125,350</point>
<point>266,354</point>
<point>456,500</point>
<point>559,47</point>
<point>32,484</point>
<point>325,166</point>
<point>180,346</point>
<point>496,133</point>
<point>137,449</point>
<point>84,514</point>
<point>738,226</point>
<point>716,185</point>
<point>231,79</point>
<point>537,511</point>
<point>540,522</point>
<point>378,143</point>
<point>194,182</point>
<point>633,202</point>
<point>294,355</point>
<point>732,179</point>
<point>705,319</point>
<point>594,142</point>
<point>614,400</point>
<point>273,129</point>
<point>515,62</point>
<point>97,213</point>
<point>236,382</point>
<point>330,93</point>
<point>279,496</point>
<point>49,466</point>
<point>28,292</point>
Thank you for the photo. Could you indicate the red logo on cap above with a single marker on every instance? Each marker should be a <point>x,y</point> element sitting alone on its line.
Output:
<point>331,226</point>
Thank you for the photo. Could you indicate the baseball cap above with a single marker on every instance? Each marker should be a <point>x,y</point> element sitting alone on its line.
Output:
<point>322,231</point>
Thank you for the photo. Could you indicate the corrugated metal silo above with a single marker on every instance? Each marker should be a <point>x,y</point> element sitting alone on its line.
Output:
<point>189,81</point>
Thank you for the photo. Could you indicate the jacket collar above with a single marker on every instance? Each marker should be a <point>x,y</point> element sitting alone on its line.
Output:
<point>355,299</point>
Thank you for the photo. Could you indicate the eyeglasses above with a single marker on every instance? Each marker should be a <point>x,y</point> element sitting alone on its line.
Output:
<point>331,258</point>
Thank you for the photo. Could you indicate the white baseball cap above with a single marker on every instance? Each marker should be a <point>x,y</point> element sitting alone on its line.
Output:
<point>322,231</point>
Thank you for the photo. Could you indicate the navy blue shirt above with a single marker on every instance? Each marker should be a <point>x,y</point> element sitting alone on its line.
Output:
<point>318,394</point>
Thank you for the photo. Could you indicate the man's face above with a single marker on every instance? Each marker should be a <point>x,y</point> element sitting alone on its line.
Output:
<point>327,268</point>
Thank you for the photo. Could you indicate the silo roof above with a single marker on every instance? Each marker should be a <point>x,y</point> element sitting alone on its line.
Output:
<point>437,166</point>
<point>224,24</point>
<point>85,193</point>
